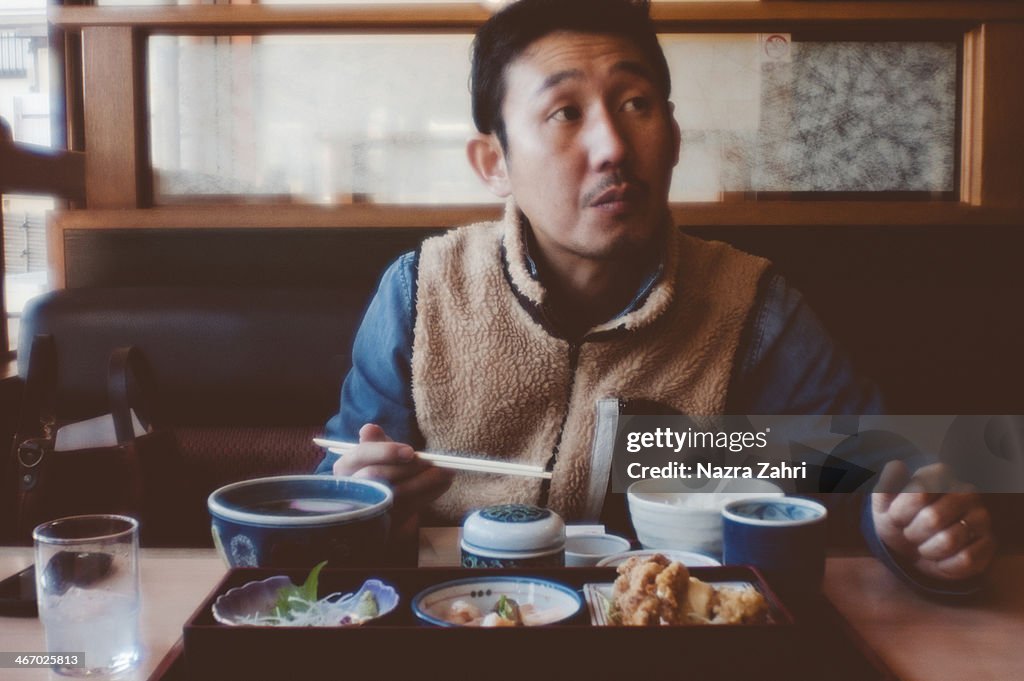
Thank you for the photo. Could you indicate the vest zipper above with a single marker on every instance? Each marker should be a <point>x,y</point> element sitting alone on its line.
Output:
<point>574,359</point>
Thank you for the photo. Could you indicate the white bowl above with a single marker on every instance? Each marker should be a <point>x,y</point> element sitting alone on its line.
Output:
<point>586,550</point>
<point>665,517</point>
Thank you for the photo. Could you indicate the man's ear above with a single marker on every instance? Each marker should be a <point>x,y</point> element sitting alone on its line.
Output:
<point>488,160</point>
<point>677,136</point>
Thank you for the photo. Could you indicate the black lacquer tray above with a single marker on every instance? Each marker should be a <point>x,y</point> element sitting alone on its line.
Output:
<point>806,639</point>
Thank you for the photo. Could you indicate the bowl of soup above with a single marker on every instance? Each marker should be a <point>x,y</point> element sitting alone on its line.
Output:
<point>301,520</point>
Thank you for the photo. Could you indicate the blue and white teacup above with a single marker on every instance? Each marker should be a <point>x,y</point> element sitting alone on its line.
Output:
<point>513,536</point>
<point>783,537</point>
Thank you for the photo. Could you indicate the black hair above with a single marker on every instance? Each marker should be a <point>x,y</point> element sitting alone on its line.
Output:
<point>509,32</point>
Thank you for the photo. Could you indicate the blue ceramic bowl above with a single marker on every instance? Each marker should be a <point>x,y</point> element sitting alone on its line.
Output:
<point>541,601</point>
<point>301,520</point>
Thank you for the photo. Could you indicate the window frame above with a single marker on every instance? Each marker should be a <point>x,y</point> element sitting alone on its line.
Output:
<point>106,102</point>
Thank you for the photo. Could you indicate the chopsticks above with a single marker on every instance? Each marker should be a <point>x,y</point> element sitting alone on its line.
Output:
<point>463,463</point>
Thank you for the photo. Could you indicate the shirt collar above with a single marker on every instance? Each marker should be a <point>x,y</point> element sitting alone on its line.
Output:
<point>648,284</point>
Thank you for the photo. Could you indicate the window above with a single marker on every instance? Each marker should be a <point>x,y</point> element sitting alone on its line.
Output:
<point>24,104</point>
<point>822,117</point>
<point>312,118</point>
<point>362,118</point>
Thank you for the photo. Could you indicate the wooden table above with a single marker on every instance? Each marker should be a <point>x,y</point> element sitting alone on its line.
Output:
<point>918,639</point>
<point>174,581</point>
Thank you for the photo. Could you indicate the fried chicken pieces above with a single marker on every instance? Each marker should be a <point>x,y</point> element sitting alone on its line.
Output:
<point>653,590</point>
<point>649,590</point>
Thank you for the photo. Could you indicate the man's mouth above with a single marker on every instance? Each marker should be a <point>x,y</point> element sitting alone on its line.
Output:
<point>616,198</point>
<point>617,193</point>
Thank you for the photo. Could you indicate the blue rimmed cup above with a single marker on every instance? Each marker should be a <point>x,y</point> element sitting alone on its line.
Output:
<point>783,537</point>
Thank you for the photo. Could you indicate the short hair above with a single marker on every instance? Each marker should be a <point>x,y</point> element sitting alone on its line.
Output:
<point>504,37</point>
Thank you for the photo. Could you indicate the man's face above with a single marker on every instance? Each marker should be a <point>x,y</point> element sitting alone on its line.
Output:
<point>591,145</point>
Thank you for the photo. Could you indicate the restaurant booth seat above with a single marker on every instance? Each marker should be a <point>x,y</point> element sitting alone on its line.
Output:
<point>249,331</point>
<point>244,377</point>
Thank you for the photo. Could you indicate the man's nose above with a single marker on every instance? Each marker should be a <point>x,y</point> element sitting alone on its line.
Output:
<point>607,145</point>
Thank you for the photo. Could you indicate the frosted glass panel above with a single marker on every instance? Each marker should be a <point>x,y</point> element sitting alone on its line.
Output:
<point>812,117</point>
<point>326,119</point>
<point>384,118</point>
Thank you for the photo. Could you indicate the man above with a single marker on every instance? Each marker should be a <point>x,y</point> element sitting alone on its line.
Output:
<point>499,338</point>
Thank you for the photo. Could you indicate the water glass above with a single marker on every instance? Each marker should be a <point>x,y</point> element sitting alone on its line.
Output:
<point>87,586</point>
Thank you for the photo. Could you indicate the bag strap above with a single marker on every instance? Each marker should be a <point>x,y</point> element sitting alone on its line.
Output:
<point>35,430</point>
<point>38,405</point>
<point>131,384</point>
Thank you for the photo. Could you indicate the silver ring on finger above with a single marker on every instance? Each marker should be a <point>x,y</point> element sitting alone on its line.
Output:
<point>971,536</point>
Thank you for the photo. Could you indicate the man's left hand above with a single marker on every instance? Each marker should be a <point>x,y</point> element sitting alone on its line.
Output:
<point>942,534</point>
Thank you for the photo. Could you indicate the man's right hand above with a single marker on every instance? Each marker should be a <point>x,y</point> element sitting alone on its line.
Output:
<point>414,482</point>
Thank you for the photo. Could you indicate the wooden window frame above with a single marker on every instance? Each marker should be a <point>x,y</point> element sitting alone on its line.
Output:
<point>32,169</point>
<point>118,172</point>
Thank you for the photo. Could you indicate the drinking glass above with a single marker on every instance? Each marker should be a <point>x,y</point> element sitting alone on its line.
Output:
<point>87,586</point>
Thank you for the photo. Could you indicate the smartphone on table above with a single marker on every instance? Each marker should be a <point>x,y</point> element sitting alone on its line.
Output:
<point>18,594</point>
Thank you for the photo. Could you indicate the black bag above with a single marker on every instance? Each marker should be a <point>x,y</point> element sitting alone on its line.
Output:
<point>139,475</point>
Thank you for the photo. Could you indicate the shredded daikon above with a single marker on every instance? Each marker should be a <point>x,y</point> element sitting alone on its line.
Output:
<point>334,610</point>
<point>298,606</point>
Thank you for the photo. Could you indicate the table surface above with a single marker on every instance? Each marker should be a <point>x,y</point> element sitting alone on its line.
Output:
<point>918,638</point>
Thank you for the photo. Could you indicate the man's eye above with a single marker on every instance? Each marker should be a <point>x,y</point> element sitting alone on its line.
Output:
<point>566,113</point>
<point>637,104</point>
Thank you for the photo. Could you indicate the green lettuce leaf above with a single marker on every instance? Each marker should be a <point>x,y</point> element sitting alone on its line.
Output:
<point>292,599</point>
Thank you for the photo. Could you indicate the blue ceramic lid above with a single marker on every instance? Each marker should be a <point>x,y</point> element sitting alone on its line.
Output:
<point>514,527</point>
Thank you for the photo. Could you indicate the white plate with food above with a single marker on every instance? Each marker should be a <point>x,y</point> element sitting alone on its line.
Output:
<point>497,602</point>
<point>654,591</point>
<point>276,601</point>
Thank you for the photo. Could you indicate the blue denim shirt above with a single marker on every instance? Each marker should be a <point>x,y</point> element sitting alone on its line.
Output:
<point>786,364</point>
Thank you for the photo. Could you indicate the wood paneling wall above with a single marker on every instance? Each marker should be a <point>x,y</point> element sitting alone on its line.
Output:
<point>114,105</point>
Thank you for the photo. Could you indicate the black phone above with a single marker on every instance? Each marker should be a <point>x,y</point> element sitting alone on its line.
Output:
<point>18,594</point>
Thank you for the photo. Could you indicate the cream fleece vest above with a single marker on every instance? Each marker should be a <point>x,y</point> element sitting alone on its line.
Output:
<point>489,379</point>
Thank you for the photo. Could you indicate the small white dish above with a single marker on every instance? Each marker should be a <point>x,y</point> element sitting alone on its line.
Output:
<point>587,550</point>
<point>550,602</point>
<point>687,558</point>
<point>253,601</point>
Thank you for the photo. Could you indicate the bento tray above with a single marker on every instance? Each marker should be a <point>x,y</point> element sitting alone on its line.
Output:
<point>798,643</point>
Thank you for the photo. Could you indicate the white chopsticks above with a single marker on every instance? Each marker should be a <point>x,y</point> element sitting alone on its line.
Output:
<point>463,463</point>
